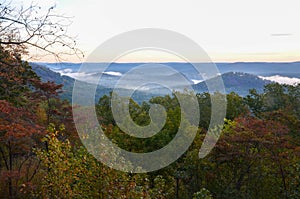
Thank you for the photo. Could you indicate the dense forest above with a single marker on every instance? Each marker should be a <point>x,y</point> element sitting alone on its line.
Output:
<point>41,156</point>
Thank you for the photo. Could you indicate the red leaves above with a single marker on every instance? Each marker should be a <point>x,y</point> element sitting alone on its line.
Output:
<point>16,123</point>
<point>252,138</point>
<point>258,129</point>
<point>47,89</point>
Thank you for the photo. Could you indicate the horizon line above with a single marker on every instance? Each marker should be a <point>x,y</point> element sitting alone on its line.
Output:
<point>158,62</point>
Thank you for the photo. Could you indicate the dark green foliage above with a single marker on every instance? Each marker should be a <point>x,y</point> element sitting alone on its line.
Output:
<point>16,77</point>
<point>257,155</point>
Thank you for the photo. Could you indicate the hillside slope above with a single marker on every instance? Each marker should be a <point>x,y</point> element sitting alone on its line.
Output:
<point>68,82</point>
<point>236,82</point>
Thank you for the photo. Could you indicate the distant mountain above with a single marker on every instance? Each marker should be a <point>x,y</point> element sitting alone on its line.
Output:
<point>288,69</point>
<point>236,82</point>
<point>68,82</point>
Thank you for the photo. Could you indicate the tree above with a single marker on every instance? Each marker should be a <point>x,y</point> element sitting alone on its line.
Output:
<point>22,92</point>
<point>74,173</point>
<point>202,194</point>
<point>276,97</point>
<point>26,27</point>
<point>235,106</point>
<point>18,136</point>
<point>19,131</point>
<point>16,77</point>
<point>252,154</point>
<point>48,91</point>
<point>255,102</point>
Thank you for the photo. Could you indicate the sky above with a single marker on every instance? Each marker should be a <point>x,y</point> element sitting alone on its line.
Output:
<point>229,31</point>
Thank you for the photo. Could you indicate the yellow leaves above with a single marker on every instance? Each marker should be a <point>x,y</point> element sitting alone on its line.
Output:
<point>41,115</point>
<point>73,173</point>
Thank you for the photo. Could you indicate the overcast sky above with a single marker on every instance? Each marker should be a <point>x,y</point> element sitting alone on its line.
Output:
<point>228,30</point>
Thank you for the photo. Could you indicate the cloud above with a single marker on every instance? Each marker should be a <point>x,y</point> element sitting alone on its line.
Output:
<point>281,35</point>
<point>282,80</point>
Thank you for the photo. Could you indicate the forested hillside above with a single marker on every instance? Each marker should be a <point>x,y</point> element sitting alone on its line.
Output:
<point>237,82</point>
<point>257,155</point>
<point>41,155</point>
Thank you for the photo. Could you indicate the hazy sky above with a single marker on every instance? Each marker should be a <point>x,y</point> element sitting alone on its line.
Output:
<point>228,30</point>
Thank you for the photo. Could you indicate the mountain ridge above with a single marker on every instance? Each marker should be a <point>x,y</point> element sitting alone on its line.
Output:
<point>238,82</point>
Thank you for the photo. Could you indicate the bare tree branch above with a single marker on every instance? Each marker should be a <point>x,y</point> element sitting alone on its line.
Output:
<point>36,28</point>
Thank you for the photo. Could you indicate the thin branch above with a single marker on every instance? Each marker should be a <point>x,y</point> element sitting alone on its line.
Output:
<point>31,27</point>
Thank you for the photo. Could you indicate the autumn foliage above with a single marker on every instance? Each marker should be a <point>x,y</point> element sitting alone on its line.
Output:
<point>41,156</point>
